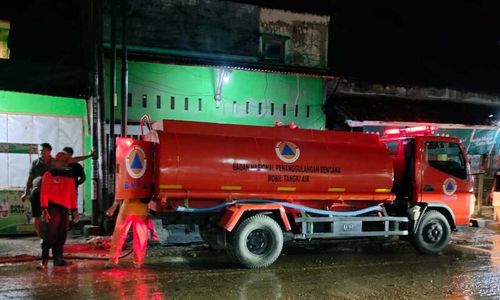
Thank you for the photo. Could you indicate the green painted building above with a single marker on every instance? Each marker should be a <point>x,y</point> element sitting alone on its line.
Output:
<point>167,91</point>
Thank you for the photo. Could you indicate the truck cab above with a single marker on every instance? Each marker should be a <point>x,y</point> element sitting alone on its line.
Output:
<point>431,174</point>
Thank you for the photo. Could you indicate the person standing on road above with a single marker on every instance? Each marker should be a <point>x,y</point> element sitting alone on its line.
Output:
<point>133,213</point>
<point>38,168</point>
<point>75,168</point>
<point>57,197</point>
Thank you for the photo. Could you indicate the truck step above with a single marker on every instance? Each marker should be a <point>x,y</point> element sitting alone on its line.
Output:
<point>342,227</point>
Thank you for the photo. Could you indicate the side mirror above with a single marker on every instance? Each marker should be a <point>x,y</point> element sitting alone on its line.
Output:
<point>479,173</point>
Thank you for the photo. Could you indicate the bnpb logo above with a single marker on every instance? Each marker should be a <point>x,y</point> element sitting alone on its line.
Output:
<point>287,151</point>
<point>136,162</point>
<point>449,186</point>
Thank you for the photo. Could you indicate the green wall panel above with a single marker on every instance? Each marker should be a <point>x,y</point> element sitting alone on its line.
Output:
<point>40,104</point>
<point>253,98</point>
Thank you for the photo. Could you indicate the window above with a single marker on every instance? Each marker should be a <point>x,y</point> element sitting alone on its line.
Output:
<point>199,104</point>
<point>272,109</point>
<point>4,36</point>
<point>186,104</point>
<point>129,100</point>
<point>446,157</point>
<point>392,147</point>
<point>172,103</point>
<point>158,102</point>
<point>273,47</point>
<point>144,101</point>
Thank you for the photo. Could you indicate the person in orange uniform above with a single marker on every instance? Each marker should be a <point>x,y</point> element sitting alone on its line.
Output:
<point>57,196</point>
<point>133,213</point>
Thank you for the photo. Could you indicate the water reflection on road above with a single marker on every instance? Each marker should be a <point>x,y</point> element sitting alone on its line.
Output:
<point>366,269</point>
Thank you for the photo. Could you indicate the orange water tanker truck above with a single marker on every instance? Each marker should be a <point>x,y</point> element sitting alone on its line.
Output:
<point>245,186</point>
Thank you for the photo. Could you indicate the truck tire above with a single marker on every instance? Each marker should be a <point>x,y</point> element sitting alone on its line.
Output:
<point>433,233</point>
<point>257,242</point>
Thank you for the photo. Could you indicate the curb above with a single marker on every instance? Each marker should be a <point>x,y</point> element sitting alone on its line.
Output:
<point>484,223</point>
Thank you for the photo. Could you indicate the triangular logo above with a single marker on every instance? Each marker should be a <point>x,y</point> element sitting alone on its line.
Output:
<point>287,150</point>
<point>136,163</point>
<point>450,186</point>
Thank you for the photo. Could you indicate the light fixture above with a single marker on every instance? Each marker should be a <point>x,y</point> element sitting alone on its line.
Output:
<point>222,76</point>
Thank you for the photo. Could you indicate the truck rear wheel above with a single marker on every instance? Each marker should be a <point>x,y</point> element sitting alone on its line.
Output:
<point>257,242</point>
<point>433,233</point>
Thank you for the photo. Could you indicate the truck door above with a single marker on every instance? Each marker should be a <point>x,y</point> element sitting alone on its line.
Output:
<point>401,151</point>
<point>444,178</point>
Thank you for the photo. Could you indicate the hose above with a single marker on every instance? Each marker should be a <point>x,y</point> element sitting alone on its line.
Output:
<point>97,258</point>
<point>26,258</point>
<point>331,213</point>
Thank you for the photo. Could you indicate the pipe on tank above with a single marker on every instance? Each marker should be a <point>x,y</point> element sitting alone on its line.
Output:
<point>375,208</point>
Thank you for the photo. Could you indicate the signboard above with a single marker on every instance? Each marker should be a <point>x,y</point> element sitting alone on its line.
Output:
<point>18,148</point>
<point>15,215</point>
<point>482,141</point>
<point>134,169</point>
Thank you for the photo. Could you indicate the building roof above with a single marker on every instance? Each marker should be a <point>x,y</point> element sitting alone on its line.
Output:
<point>343,107</point>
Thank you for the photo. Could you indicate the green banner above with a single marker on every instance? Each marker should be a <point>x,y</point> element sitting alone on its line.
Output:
<point>18,148</point>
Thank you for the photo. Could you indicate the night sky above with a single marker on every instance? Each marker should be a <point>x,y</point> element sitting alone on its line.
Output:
<point>440,44</point>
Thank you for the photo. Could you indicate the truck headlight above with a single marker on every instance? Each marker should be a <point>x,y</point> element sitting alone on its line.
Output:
<point>472,204</point>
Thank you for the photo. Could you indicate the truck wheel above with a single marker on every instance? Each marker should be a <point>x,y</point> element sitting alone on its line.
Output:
<point>257,242</point>
<point>433,233</point>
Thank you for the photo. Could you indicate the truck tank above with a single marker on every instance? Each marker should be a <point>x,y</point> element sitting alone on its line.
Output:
<point>217,162</point>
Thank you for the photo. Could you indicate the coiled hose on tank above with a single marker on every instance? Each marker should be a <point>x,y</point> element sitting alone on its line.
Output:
<point>331,213</point>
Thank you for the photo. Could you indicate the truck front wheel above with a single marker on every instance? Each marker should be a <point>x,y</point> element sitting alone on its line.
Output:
<point>433,233</point>
<point>257,242</point>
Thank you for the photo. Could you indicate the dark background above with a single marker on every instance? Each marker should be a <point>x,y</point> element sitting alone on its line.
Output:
<point>451,44</point>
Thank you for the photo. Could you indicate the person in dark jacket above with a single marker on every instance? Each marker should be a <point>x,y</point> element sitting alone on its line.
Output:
<point>76,168</point>
<point>38,168</point>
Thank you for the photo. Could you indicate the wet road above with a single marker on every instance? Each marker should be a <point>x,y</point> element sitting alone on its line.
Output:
<point>365,269</point>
